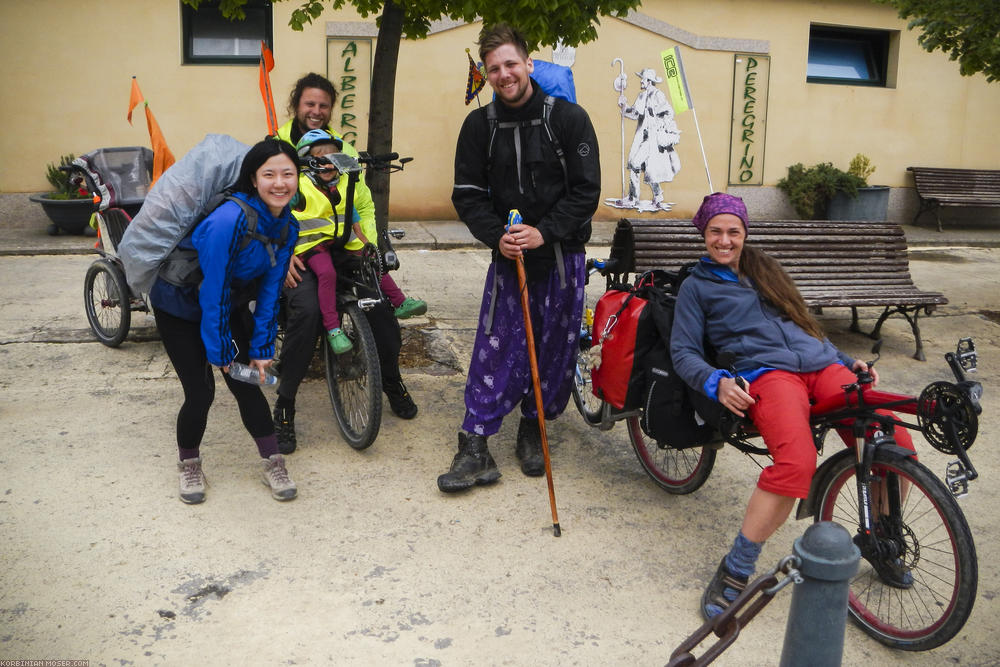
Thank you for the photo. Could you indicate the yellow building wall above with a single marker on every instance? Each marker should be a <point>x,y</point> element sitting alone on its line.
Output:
<point>68,66</point>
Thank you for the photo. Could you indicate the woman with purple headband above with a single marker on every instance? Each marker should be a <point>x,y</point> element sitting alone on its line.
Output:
<point>748,308</point>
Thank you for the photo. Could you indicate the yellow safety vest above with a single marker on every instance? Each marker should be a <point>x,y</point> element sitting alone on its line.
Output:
<point>318,204</point>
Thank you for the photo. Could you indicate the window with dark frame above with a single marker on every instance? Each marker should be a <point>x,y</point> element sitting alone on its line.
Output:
<point>211,38</point>
<point>853,56</point>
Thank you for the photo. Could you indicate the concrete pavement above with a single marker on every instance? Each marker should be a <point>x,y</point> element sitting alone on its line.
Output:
<point>371,565</point>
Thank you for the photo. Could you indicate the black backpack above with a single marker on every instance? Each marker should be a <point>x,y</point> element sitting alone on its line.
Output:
<point>673,414</point>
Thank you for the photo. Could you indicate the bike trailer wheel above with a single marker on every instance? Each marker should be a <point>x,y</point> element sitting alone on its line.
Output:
<point>106,300</point>
<point>354,380</point>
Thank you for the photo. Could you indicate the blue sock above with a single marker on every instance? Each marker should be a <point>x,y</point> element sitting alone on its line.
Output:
<point>742,558</point>
<point>741,561</point>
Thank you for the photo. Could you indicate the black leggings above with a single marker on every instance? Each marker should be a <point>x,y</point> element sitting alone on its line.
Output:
<point>182,340</point>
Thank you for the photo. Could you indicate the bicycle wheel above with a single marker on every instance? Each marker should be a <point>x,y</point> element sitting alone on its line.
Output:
<point>929,536</point>
<point>583,395</point>
<point>677,471</point>
<point>106,300</point>
<point>355,381</point>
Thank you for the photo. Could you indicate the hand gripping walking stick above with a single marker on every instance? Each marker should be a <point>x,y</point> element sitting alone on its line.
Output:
<point>514,218</point>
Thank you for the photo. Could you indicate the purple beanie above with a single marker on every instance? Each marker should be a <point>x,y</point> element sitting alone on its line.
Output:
<point>717,203</point>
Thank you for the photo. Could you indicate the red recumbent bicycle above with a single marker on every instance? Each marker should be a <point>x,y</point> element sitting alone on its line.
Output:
<point>918,578</point>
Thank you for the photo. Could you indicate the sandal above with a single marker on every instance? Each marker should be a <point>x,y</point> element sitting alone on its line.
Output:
<point>714,595</point>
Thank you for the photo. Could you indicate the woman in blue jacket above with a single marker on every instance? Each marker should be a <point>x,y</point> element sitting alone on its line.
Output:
<point>743,303</point>
<point>211,323</point>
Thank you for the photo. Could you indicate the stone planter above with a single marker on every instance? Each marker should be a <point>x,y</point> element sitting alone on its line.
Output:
<point>872,203</point>
<point>67,215</point>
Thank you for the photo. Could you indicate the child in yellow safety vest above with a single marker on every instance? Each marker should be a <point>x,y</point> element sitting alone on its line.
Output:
<point>319,203</point>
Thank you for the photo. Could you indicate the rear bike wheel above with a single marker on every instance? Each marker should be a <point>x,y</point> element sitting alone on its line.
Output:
<point>677,471</point>
<point>354,380</point>
<point>924,531</point>
<point>583,394</point>
<point>106,300</point>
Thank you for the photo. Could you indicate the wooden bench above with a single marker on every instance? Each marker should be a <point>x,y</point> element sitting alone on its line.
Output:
<point>955,187</point>
<point>834,264</point>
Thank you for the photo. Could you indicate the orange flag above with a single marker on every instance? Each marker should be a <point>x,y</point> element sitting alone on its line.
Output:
<point>134,98</point>
<point>162,157</point>
<point>266,65</point>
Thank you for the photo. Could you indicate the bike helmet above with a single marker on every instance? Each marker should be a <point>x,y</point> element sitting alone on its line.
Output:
<point>314,137</point>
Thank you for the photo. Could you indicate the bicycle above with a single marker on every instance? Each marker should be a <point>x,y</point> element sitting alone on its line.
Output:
<point>354,379</point>
<point>919,576</point>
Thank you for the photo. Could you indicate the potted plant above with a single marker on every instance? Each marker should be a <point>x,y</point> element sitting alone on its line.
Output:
<point>870,202</point>
<point>810,189</point>
<point>69,206</point>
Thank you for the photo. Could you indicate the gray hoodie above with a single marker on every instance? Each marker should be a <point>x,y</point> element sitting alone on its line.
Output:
<point>732,316</point>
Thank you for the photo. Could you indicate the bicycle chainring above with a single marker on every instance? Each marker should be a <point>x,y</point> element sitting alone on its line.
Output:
<point>942,408</point>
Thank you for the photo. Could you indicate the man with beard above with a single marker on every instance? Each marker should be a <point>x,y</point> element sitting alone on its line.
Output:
<point>531,152</point>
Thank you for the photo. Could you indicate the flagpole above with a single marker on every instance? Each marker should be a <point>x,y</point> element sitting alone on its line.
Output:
<point>701,143</point>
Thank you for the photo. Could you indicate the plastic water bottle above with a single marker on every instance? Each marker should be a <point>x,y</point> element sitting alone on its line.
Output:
<point>249,374</point>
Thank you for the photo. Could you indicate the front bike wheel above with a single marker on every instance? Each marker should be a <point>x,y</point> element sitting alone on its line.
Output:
<point>354,380</point>
<point>583,394</point>
<point>925,531</point>
<point>677,471</point>
<point>106,300</point>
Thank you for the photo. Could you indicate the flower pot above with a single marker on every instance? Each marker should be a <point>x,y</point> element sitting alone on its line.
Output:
<point>872,203</point>
<point>68,215</point>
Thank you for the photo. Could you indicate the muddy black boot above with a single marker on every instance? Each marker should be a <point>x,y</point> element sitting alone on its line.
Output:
<point>529,448</point>
<point>284,428</point>
<point>472,465</point>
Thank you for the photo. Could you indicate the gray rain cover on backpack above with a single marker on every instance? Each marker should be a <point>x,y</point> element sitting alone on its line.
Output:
<point>184,194</point>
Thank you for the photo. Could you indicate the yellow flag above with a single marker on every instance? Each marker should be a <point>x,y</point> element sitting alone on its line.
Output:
<point>676,81</point>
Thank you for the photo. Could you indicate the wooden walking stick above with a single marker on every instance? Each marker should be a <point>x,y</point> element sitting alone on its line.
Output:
<point>514,218</point>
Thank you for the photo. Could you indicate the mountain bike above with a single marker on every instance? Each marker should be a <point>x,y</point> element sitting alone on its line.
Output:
<point>354,379</point>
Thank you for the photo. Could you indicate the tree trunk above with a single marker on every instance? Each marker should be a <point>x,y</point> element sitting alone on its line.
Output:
<point>382,101</point>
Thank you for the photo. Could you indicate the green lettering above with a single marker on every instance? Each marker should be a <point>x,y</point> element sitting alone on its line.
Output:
<point>347,120</point>
<point>748,121</point>
<point>745,175</point>
<point>748,107</point>
<point>347,65</point>
<point>347,82</point>
<point>347,101</point>
<point>351,49</point>
<point>747,136</point>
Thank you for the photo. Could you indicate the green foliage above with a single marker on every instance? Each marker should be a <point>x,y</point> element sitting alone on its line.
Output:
<point>62,186</point>
<point>542,22</point>
<point>810,189</point>
<point>967,30</point>
<point>861,167</point>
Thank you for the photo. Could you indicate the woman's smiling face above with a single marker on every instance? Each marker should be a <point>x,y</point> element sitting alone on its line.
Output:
<point>724,237</point>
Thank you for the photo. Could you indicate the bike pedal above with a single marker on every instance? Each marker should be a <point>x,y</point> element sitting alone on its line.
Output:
<point>957,479</point>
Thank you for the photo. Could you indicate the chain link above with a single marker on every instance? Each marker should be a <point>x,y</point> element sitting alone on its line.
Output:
<point>727,625</point>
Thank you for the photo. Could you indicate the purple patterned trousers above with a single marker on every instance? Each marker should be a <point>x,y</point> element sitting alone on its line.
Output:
<point>500,371</point>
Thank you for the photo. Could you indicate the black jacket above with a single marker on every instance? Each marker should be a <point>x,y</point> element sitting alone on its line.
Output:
<point>486,190</point>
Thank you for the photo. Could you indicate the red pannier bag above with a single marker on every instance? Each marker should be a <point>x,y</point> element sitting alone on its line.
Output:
<point>624,329</point>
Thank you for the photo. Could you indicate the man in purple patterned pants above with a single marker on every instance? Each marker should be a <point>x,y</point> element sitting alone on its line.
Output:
<point>539,155</point>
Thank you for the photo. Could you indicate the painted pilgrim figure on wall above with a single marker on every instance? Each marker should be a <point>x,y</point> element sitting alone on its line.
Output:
<point>652,152</point>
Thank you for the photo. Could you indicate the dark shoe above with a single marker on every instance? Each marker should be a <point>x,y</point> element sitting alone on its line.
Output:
<point>714,597</point>
<point>529,448</point>
<point>399,400</point>
<point>472,465</point>
<point>284,428</point>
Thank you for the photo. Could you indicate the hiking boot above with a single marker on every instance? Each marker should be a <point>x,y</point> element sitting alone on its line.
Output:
<point>529,448</point>
<point>192,481</point>
<point>284,429</point>
<point>399,400</point>
<point>338,340</point>
<point>410,308</point>
<point>472,465</point>
<point>275,476</point>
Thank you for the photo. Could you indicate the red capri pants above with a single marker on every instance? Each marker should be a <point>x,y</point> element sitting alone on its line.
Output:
<point>781,415</point>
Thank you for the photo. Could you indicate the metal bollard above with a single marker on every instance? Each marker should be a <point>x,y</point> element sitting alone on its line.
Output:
<point>814,634</point>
